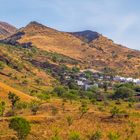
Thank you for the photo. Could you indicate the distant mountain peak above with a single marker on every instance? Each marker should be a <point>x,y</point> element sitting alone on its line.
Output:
<point>35,24</point>
<point>6,28</point>
<point>86,35</point>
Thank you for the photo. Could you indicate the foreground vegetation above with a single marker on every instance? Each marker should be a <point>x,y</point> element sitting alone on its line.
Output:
<point>56,109</point>
<point>66,114</point>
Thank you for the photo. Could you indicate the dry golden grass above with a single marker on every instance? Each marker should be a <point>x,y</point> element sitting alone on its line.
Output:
<point>45,124</point>
<point>5,89</point>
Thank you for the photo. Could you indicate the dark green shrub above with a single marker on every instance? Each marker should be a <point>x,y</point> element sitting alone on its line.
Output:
<point>2,65</point>
<point>88,74</point>
<point>83,108</point>
<point>113,136</point>
<point>34,106</point>
<point>123,92</point>
<point>105,86</point>
<point>69,120</point>
<point>93,101</point>
<point>21,105</point>
<point>54,110</point>
<point>70,96</point>
<point>43,96</point>
<point>114,111</point>
<point>21,126</point>
<point>75,69</point>
<point>74,136</point>
<point>60,90</point>
<point>13,98</point>
<point>2,108</point>
<point>96,136</point>
<point>56,132</point>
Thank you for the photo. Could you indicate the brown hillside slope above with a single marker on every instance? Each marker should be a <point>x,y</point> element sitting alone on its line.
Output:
<point>52,40</point>
<point>86,36</point>
<point>5,89</point>
<point>6,29</point>
<point>19,73</point>
<point>98,52</point>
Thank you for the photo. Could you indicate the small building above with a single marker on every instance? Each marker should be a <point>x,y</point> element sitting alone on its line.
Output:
<point>87,86</point>
<point>80,83</point>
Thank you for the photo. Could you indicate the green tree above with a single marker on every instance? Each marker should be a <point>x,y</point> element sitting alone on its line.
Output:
<point>72,84</point>
<point>83,108</point>
<point>60,90</point>
<point>71,95</point>
<point>105,86</point>
<point>75,69</point>
<point>2,108</point>
<point>88,74</point>
<point>13,98</point>
<point>1,65</point>
<point>123,92</point>
<point>129,85</point>
<point>21,126</point>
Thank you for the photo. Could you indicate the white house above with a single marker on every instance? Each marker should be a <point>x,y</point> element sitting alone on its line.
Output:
<point>80,83</point>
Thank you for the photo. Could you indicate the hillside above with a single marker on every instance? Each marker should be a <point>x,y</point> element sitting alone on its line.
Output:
<point>5,89</point>
<point>18,71</point>
<point>40,63</point>
<point>6,29</point>
<point>88,48</point>
<point>86,36</point>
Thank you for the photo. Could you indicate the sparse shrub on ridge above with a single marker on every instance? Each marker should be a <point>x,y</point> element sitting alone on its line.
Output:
<point>74,136</point>
<point>113,136</point>
<point>13,98</point>
<point>2,107</point>
<point>69,120</point>
<point>96,136</point>
<point>54,110</point>
<point>83,108</point>
<point>2,65</point>
<point>34,106</point>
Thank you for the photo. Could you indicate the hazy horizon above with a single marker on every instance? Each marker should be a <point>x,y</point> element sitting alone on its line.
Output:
<point>117,19</point>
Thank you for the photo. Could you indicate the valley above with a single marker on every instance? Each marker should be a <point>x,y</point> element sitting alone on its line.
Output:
<point>67,86</point>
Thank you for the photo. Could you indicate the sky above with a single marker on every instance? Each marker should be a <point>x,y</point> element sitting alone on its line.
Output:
<point>119,20</point>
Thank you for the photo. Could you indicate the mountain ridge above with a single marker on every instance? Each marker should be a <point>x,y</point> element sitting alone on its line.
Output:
<point>90,48</point>
<point>6,29</point>
<point>86,35</point>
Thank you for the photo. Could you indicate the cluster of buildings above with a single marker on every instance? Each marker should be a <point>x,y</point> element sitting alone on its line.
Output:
<point>97,79</point>
<point>127,80</point>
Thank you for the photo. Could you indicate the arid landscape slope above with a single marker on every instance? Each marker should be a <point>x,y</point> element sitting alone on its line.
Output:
<point>40,65</point>
<point>90,49</point>
<point>6,29</point>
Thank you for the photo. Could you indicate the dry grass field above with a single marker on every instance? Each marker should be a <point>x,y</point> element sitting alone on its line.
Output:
<point>47,123</point>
